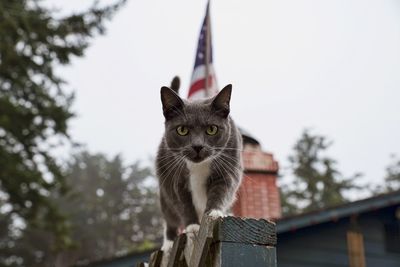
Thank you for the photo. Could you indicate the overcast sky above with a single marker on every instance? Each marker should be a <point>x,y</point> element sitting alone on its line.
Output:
<point>333,66</point>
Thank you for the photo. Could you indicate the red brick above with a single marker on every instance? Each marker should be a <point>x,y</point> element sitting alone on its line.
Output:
<point>258,195</point>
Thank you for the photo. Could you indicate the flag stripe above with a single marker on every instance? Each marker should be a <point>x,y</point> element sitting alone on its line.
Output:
<point>203,65</point>
<point>201,84</point>
<point>199,73</point>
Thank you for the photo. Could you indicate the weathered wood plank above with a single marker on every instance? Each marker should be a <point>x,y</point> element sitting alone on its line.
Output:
<point>155,258</point>
<point>223,242</point>
<point>227,254</point>
<point>245,230</point>
<point>177,250</point>
<point>230,229</point>
<point>187,253</point>
<point>182,261</point>
<point>202,242</point>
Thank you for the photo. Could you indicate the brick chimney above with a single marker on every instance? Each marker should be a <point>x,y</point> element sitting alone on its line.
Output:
<point>258,196</point>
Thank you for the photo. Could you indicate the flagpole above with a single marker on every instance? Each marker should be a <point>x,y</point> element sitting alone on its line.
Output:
<point>208,38</point>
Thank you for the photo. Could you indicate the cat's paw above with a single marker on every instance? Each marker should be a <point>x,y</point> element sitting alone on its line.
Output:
<point>215,214</point>
<point>192,229</point>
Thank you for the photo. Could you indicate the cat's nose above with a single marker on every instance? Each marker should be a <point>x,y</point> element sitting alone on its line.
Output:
<point>197,148</point>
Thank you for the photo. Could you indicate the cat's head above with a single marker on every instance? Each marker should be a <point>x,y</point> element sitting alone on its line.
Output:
<point>196,130</point>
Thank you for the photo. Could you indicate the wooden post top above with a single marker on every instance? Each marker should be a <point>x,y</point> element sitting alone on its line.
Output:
<point>222,242</point>
<point>242,230</point>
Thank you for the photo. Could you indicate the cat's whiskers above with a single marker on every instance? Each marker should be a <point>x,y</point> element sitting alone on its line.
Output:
<point>165,158</point>
<point>228,148</point>
<point>221,150</point>
<point>173,166</point>
<point>231,163</point>
<point>173,178</point>
<point>181,167</point>
<point>221,172</point>
<point>222,167</point>
<point>250,179</point>
<point>233,169</point>
<point>239,172</point>
<point>174,153</point>
<point>225,166</point>
<point>165,164</point>
<point>170,149</point>
<point>234,165</point>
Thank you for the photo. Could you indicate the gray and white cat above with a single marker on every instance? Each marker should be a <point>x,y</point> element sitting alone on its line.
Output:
<point>199,164</point>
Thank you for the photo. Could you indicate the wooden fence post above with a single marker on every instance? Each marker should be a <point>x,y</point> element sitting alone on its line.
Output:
<point>226,242</point>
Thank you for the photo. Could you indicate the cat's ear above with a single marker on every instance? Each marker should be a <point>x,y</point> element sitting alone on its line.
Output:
<point>175,84</point>
<point>172,103</point>
<point>221,101</point>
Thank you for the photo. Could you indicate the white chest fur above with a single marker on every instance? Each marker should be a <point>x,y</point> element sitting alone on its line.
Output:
<point>199,173</point>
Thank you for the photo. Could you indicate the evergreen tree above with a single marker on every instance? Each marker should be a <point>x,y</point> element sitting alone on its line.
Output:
<point>112,211</point>
<point>317,182</point>
<point>34,108</point>
<point>392,178</point>
<point>289,207</point>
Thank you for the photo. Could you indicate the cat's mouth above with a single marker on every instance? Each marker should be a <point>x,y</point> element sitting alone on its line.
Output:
<point>197,154</point>
<point>197,159</point>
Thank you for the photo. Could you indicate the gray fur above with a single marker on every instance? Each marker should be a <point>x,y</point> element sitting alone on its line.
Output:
<point>175,84</point>
<point>176,152</point>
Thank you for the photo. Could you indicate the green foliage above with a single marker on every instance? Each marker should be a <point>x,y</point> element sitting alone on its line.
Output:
<point>34,109</point>
<point>317,182</point>
<point>111,209</point>
<point>392,177</point>
<point>145,245</point>
<point>288,208</point>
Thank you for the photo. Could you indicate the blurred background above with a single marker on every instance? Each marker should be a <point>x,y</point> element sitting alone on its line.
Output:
<point>315,82</point>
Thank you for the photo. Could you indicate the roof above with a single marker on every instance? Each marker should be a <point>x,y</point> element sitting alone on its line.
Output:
<point>247,137</point>
<point>334,213</point>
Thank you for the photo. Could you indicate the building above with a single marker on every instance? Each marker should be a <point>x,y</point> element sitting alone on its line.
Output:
<point>358,234</point>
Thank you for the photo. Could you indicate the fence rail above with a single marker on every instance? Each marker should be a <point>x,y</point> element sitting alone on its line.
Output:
<point>224,242</point>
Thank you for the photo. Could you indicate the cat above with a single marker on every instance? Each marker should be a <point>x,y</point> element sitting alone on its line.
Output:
<point>198,164</point>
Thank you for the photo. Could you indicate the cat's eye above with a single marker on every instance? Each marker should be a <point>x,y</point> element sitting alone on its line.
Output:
<point>182,130</point>
<point>212,130</point>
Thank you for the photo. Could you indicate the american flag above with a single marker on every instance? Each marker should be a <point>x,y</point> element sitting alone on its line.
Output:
<point>204,82</point>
